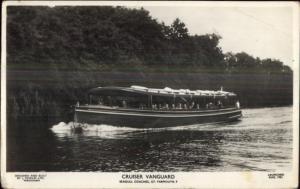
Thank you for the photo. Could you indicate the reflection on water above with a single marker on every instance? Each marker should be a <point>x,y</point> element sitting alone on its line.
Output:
<point>262,141</point>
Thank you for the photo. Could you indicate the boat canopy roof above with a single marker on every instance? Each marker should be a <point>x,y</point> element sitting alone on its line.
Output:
<point>140,90</point>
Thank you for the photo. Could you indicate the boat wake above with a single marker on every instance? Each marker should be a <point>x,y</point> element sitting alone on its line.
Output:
<point>63,127</point>
<point>102,131</point>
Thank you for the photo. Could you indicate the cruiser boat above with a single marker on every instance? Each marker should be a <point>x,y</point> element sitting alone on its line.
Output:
<point>143,107</point>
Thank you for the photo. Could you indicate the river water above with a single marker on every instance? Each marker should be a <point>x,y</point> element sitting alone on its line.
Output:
<point>261,141</point>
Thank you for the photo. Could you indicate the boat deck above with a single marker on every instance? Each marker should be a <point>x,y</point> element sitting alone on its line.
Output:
<point>116,108</point>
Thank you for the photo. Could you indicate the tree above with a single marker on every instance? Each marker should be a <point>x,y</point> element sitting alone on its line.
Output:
<point>178,30</point>
<point>245,60</point>
<point>272,65</point>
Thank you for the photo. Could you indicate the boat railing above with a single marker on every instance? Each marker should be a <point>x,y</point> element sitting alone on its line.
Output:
<point>96,106</point>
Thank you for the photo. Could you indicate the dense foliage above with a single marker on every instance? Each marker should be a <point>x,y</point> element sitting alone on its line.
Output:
<point>94,37</point>
<point>90,41</point>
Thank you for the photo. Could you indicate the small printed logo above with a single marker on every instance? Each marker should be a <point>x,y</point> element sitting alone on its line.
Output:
<point>30,177</point>
<point>275,175</point>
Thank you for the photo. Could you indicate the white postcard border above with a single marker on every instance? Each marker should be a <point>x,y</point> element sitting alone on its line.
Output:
<point>185,179</point>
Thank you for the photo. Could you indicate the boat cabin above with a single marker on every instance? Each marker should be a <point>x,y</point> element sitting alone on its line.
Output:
<point>139,97</point>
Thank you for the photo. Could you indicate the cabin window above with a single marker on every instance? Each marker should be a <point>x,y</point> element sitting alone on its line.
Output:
<point>164,102</point>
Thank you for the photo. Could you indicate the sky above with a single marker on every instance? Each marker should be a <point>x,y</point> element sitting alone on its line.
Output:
<point>264,32</point>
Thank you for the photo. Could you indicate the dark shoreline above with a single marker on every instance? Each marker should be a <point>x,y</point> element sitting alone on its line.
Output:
<point>52,93</point>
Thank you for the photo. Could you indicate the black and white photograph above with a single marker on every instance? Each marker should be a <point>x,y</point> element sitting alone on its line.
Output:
<point>149,91</point>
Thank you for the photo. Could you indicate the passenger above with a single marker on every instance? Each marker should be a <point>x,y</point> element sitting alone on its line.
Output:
<point>159,106</point>
<point>198,107</point>
<point>124,104</point>
<point>237,104</point>
<point>167,106</point>
<point>185,106</point>
<point>220,105</point>
<point>141,106</point>
<point>100,101</point>
<point>210,105</point>
<point>173,106</point>
<point>207,106</point>
<point>192,105</point>
<point>180,106</point>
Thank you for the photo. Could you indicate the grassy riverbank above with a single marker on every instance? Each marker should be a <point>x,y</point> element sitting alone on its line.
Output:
<point>51,93</point>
